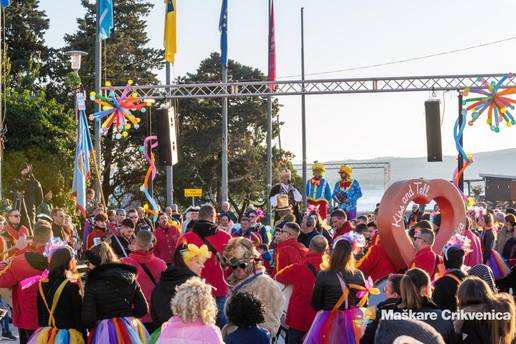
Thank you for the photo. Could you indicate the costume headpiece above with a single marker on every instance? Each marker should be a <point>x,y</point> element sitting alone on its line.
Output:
<point>459,242</point>
<point>355,239</point>
<point>346,169</point>
<point>52,246</point>
<point>318,166</point>
<point>191,251</point>
<point>240,249</point>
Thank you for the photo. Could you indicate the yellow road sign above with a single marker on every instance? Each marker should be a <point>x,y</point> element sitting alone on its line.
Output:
<point>193,192</point>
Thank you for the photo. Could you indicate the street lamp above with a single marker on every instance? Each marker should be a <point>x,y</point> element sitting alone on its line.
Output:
<point>75,58</point>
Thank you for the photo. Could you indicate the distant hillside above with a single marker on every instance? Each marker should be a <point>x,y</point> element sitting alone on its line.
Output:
<point>498,162</point>
<point>372,182</point>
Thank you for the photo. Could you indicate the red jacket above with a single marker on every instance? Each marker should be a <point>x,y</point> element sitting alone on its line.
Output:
<point>29,264</point>
<point>289,252</point>
<point>96,233</point>
<point>300,313</point>
<point>166,241</point>
<point>155,265</point>
<point>212,272</point>
<point>14,235</point>
<point>375,263</point>
<point>347,227</point>
<point>427,260</point>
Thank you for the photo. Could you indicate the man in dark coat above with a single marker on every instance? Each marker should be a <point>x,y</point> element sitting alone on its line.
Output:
<point>445,288</point>
<point>27,194</point>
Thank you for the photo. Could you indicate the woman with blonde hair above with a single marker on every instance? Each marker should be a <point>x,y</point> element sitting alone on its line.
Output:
<point>475,296</point>
<point>113,300</point>
<point>188,262</point>
<point>194,312</point>
<point>338,291</point>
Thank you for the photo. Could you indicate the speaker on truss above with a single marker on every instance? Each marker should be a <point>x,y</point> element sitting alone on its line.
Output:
<point>167,145</point>
<point>433,130</point>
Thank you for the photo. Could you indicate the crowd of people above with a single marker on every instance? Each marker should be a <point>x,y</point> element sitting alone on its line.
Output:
<point>209,275</point>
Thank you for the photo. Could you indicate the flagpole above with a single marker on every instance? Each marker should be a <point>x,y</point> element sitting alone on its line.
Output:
<point>169,169</point>
<point>269,126</point>
<point>98,81</point>
<point>224,176</point>
<point>303,104</point>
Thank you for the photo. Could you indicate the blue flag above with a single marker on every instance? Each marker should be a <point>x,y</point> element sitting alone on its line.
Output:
<point>105,18</point>
<point>81,166</point>
<point>223,27</point>
<point>5,3</point>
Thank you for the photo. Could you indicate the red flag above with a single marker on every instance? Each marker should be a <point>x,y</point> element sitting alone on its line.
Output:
<point>272,45</point>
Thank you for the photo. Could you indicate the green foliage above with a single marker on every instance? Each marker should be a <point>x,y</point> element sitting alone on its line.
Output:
<point>125,56</point>
<point>200,128</point>
<point>42,133</point>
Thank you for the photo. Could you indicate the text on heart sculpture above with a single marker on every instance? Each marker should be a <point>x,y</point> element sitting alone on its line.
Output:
<point>391,216</point>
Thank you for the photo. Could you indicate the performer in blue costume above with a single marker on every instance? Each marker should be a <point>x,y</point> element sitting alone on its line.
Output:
<point>346,192</point>
<point>318,192</point>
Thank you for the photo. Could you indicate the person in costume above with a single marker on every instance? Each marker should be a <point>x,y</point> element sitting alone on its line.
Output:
<point>444,294</point>
<point>248,275</point>
<point>194,312</point>
<point>346,192</point>
<point>376,263</point>
<point>27,266</point>
<point>318,192</point>
<point>285,191</point>
<point>188,262</point>
<point>59,298</point>
<point>113,300</point>
<point>339,289</point>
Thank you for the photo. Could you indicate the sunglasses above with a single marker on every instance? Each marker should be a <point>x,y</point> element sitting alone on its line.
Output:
<point>415,238</point>
<point>15,215</point>
<point>241,265</point>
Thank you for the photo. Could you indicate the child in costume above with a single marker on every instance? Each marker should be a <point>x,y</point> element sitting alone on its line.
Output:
<point>194,320</point>
<point>59,299</point>
<point>318,193</point>
<point>346,192</point>
<point>113,300</point>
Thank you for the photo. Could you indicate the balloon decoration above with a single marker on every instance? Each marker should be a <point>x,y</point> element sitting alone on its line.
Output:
<point>118,111</point>
<point>150,143</point>
<point>498,105</point>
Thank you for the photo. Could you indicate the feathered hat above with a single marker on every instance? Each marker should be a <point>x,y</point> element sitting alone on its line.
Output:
<point>318,166</point>
<point>460,242</point>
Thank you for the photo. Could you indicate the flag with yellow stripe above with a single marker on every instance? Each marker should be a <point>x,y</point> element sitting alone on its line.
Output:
<point>170,31</point>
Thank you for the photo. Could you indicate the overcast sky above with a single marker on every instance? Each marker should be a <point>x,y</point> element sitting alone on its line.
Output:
<point>341,34</point>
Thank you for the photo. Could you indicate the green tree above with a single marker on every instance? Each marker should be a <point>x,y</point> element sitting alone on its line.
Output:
<point>125,56</point>
<point>41,132</point>
<point>200,135</point>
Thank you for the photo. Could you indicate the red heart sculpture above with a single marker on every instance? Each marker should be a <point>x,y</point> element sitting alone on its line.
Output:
<point>391,216</point>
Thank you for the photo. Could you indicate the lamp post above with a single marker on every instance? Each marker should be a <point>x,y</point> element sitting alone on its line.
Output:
<point>75,58</point>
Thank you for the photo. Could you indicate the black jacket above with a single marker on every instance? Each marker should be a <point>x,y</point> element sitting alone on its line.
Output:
<point>204,228</point>
<point>304,238</point>
<point>441,325</point>
<point>119,244</point>
<point>112,291</point>
<point>68,311</point>
<point>165,290</point>
<point>445,290</point>
<point>327,290</point>
<point>368,337</point>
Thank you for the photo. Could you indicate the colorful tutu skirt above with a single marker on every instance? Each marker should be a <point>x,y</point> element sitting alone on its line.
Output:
<point>336,327</point>
<point>500,268</point>
<point>53,335</point>
<point>119,331</point>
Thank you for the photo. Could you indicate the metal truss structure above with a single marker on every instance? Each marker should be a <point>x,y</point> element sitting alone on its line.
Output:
<point>386,166</point>
<point>318,87</point>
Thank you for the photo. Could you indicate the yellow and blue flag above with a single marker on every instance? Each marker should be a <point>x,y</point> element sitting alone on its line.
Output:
<point>223,28</point>
<point>170,40</point>
<point>105,18</point>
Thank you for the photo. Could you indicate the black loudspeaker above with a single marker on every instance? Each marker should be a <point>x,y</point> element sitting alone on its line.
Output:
<point>433,130</point>
<point>165,124</point>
